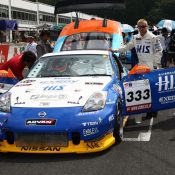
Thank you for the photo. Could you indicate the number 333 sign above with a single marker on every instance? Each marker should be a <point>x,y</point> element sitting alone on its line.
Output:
<point>137,95</point>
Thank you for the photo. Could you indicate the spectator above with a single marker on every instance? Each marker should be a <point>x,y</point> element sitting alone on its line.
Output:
<point>19,62</point>
<point>43,46</point>
<point>164,39</point>
<point>31,46</point>
<point>171,47</point>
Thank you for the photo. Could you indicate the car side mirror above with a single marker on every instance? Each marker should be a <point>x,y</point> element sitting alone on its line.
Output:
<point>139,69</point>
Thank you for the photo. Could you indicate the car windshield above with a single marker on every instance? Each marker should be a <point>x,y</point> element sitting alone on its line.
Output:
<point>88,41</point>
<point>72,65</point>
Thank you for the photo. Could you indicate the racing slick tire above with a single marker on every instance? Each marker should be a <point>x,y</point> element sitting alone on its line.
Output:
<point>118,125</point>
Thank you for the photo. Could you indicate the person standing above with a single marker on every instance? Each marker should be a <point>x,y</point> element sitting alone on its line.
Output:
<point>148,49</point>
<point>171,47</point>
<point>164,39</point>
<point>31,46</point>
<point>43,45</point>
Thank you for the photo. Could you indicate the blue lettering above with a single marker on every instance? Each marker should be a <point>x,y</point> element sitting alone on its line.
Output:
<point>52,88</point>
<point>147,49</point>
<point>143,49</point>
<point>139,48</point>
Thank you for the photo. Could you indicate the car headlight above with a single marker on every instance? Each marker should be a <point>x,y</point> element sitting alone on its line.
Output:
<point>5,102</point>
<point>95,102</point>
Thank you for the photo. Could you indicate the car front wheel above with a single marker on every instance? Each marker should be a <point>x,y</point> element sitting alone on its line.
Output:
<point>118,125</point>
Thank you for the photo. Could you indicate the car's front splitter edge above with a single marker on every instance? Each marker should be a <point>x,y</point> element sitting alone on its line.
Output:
<point>83,147</point>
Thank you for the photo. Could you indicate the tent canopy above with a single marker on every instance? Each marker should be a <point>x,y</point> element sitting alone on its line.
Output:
<point>95,7</point>
<point>8,25</point>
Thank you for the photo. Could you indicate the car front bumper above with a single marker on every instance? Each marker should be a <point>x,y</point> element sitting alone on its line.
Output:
<point>83,147</point>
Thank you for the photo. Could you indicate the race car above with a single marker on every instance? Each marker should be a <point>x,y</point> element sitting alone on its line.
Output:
<point>70,102</point>
<point>75,102</point>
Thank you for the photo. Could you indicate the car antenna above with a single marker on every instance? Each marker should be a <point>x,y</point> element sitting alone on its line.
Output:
<point>104,22</point>
<point>76,21</point>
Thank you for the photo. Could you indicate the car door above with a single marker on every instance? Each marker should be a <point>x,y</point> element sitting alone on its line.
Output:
<point>148,92</point>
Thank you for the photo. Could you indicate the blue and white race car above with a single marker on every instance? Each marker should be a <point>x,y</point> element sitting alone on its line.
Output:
<point>74,102</point>
<point>70,102</point>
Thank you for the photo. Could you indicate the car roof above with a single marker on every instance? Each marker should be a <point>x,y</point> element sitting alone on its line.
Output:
<point>78,52</point>
<point>92,26</point>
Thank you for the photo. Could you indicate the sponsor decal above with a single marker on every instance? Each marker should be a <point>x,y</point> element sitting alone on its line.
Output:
<point>138,39</point>
<point>167,99</point>
<point>88,113</point>
<point>27,81</point>
<point>138,107</point>
<point>21,85</point>
<point>75,102</point>
<point>90,123</point>
<point>93,83</point>
<point>165,83</point>
<point>93,145</point>
<point>29,90</point>
<point>77,90</point>
<point>42,114</point>
<point>18,102</point>
<point>62,81</point>
<point>142,48</point>
<point>48,122</point>
<point>44,97</point>
<point>1,85</point>
<point>100,120</point>
<point>127,84</point>
<point>53,88</point>
<point>44,104</point>
<point>166,73</point>
<point>110,102</point>
<point>39,148</point>
<point>111,117</point>
<point>90,131</point>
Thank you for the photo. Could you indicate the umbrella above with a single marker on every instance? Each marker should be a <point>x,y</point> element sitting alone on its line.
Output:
<point>127,28</point>
<point>169,24</point>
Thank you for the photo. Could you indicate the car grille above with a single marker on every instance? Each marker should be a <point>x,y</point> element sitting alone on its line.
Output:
<point>41,139</point>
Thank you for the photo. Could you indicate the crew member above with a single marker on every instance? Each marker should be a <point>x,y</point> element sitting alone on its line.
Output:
<point>19,62</point>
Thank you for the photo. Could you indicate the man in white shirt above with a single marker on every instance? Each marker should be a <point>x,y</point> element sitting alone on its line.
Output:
<point>148,49</point>
<point>31,46</point>
<point>147,45</point>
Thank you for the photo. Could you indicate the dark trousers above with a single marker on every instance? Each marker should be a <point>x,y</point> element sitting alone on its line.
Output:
<point>164,59</point>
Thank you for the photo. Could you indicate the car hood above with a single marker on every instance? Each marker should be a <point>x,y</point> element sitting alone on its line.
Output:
<point>56,92</point>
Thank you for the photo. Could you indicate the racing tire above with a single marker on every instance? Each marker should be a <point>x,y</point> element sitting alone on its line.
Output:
<point>118,124</point>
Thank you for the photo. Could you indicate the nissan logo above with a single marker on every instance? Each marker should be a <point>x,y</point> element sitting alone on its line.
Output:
<point>42,114</point>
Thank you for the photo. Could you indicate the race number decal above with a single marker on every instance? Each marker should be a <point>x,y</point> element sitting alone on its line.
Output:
<point>137,95</point>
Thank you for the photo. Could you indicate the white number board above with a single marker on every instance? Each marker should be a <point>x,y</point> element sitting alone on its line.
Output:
<point>137,95</point>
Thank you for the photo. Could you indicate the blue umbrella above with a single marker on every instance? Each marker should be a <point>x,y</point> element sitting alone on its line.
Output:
<point>169,24</point>
<point>127,28</point>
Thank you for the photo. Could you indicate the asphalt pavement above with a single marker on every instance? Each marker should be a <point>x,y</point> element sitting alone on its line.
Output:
<point>148,149</point>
